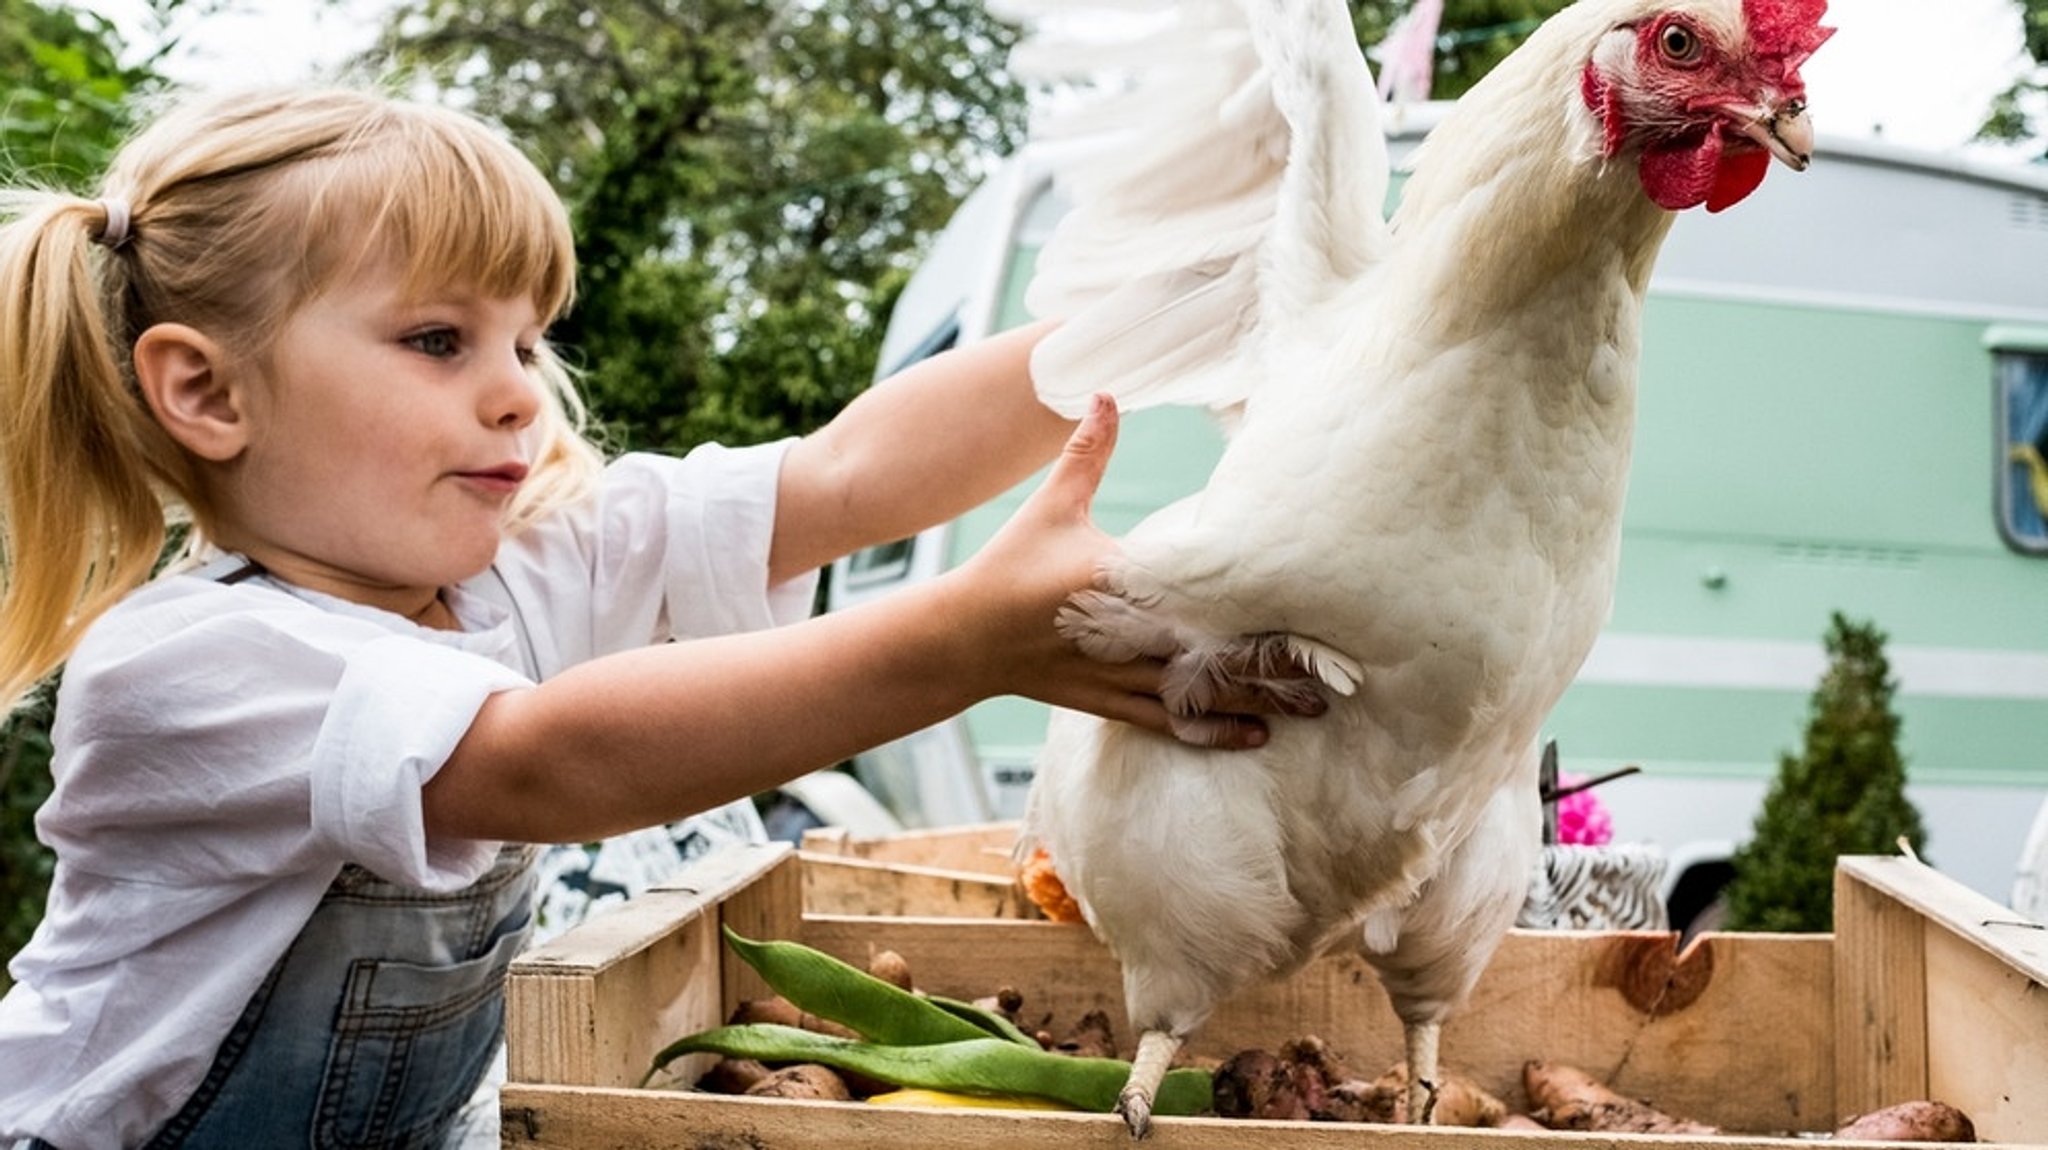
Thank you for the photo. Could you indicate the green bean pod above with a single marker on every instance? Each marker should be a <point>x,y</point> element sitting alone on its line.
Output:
<point>823,985</point>
<point>989,1067</point>
<point>987,1020</point>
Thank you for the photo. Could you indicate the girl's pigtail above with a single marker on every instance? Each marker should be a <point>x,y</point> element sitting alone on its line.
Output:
<point>81,522</point>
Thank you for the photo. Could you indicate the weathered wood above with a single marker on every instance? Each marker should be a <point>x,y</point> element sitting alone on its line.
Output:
<point>1951,1000</point>
<point>983,847</point>
<point>835,884</point>
<point>1623,1007</point>
<point>1880,998</point>
<point>591,1007</point>
<point>582,1119</point>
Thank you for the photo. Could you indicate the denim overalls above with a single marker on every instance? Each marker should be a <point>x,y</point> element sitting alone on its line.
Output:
<point>377,1025</point>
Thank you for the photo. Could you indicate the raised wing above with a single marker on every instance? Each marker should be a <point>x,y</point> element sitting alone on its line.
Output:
<point>1228,170</point>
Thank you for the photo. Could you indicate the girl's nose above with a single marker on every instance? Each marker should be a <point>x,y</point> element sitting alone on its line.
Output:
<point>514,397</point>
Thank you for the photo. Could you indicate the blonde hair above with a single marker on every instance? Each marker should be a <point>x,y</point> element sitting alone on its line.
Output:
<point>241,209</point>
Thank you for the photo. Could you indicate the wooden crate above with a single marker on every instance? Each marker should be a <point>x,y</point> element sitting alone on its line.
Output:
<point>983,848</point>
<point>962,872</point>
<point>1925,990</point>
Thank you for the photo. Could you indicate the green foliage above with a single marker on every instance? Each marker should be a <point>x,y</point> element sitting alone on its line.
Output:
<point>25,865</point>
<point>1843,794</point>
<point>751,181</point>
<point>2015,114</point>
<point>65,107</point>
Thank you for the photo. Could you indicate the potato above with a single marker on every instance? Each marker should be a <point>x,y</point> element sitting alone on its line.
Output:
<point>1922,1121</point>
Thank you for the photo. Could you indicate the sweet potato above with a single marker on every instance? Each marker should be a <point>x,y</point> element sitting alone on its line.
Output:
<point>783,1012</point>
<point>1566,1098</point>
<point>733,1076</point>
<point>804,1080</point>
<point>1924,1121</point>
<point>1459,1100</point>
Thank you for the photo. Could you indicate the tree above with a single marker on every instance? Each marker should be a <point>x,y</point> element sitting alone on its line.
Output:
<point>66,93</point>
<point>750,180</point>
<point>1844,794</point>
<point>2016,114</point>
<point>1472,36</point>
<point>67,106</point>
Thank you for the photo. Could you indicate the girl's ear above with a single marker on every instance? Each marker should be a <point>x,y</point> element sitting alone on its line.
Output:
<point>186,380</point>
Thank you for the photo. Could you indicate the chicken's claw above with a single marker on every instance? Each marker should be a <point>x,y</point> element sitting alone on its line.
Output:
<point>1156,1049</point>
<point>1136,1108</point>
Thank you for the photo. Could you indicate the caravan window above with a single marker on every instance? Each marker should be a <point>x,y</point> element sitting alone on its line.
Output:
<point>885,563</point>
<point>2022,389</point>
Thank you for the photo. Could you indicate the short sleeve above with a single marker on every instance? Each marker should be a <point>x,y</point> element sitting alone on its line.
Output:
<point>399,709</point>
<point>225,735</point>
<point>667,548</point>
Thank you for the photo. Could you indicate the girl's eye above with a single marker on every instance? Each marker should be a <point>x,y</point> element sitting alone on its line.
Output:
<point>1679,43</point>
<point>529,355</point>
<point>440,343</point>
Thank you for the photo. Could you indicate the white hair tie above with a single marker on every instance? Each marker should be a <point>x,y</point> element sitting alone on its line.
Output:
<point>115,233</point>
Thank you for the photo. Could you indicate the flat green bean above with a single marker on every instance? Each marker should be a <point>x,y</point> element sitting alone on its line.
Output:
<point>987,1020</point>
<point>823,985</point>
<point>990,1067</point>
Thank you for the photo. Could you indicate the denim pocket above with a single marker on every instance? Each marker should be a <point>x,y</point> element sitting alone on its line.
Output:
<point>411,1044</point>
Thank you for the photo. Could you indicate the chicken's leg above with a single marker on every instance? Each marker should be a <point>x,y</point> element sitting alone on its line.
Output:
<point>1156,1049</point>
<point>1422,1040</point>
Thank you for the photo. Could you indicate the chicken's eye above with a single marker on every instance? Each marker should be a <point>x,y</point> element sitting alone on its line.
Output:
<point>1680,44</point>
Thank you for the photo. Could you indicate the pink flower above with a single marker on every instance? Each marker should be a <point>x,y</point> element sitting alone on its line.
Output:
<point>1582,819</point>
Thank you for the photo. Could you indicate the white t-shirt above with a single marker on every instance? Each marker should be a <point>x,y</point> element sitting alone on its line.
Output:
<point>221,750</point>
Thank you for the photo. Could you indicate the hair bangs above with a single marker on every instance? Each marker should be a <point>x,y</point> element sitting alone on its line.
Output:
<point>451,205</point>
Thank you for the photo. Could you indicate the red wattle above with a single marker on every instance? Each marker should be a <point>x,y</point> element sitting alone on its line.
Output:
<point>1680,176</point>
<point>1739,174</point>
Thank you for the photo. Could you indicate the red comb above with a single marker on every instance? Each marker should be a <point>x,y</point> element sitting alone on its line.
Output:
<point>1787,30</point>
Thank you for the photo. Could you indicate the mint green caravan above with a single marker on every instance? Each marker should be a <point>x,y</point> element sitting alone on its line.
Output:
<point>1844,407</point>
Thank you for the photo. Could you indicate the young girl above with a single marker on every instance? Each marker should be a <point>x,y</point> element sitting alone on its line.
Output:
<point>425,620</point>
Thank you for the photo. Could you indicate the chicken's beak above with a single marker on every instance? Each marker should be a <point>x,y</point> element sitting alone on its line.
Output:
<point>1782,130</point>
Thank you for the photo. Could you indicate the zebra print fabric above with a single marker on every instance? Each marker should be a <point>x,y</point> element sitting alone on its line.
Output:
<point>1614,887</point>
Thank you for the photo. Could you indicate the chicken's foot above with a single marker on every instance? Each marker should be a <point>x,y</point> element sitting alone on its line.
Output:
<point>1156,1049</point>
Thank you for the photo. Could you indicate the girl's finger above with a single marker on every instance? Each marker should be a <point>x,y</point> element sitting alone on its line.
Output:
<point>1078,471</point>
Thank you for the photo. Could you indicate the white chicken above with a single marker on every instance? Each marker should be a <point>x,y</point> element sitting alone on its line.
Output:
<point>1421,494</point>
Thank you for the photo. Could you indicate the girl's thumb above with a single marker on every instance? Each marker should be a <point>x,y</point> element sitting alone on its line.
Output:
<point>1078,471</point>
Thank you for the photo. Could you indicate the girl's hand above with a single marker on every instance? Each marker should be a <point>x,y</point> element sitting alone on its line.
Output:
<point>1016,586</point>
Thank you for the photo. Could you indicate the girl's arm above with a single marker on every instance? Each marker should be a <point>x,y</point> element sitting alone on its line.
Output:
<point>933,441</point>
<point>648,736</point>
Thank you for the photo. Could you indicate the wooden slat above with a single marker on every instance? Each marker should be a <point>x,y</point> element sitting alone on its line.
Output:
<point>1749,1008</point>
<point>2007,937</point>
<point>1880,998</point>
<point>590,1008</point>
<point>983,848</point>
<point>1971,973</point>
<point>1987,1041</point>
<point>544,1117</point>
<point>840,885</point>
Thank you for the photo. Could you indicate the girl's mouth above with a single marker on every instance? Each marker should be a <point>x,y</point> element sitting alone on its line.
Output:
<point>505,477</point>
